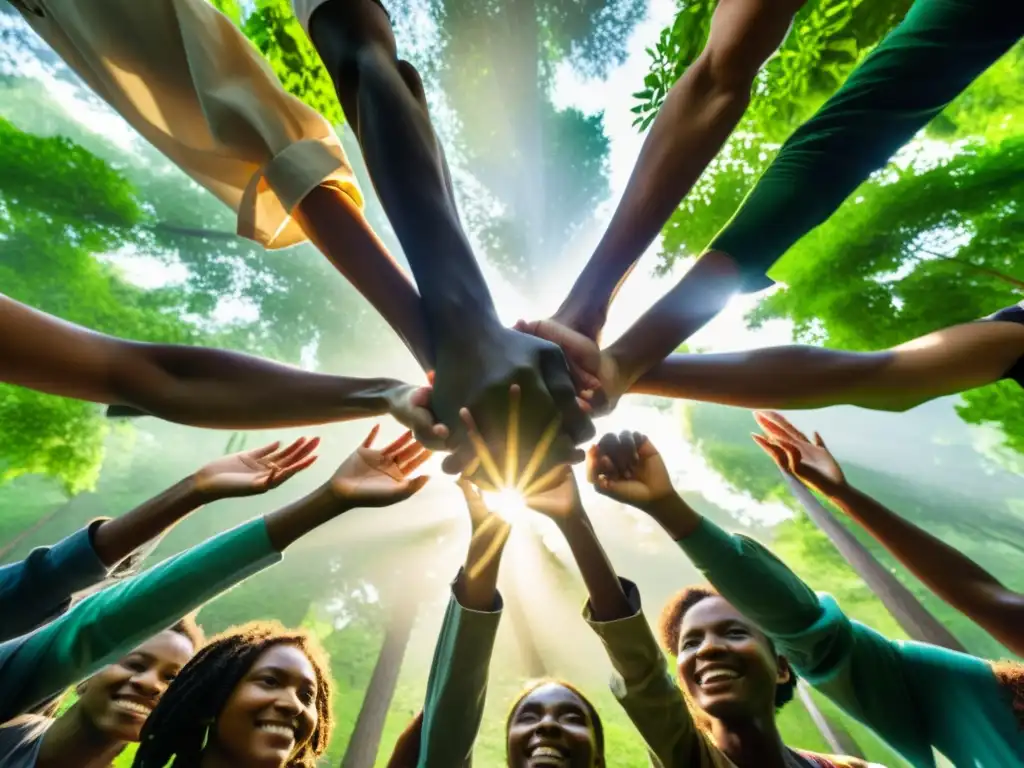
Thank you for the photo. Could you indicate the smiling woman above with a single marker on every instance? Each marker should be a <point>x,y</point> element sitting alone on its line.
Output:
<point>258,694</point>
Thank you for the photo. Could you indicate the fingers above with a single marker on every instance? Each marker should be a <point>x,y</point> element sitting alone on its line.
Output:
<point>266,450</point>
<point>459,460</point>
<point>405,439</point>
<point>618,454</point>
<point>560,386</point>
<point>372,436</point>
<point>279,476</point>
<point>415,461</point>
<point>297,451</point>
<point>774,451</point>
<point>777,424</point>
<point>415,485</point>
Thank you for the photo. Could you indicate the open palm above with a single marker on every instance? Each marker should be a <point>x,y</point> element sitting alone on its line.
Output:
<point>635,477</point>
<point>371,478</point>
<point>810,462</point>
<point>560,499</point>
<point>249,473</point>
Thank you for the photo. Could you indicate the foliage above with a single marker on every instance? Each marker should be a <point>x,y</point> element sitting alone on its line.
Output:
<point>827,40</point>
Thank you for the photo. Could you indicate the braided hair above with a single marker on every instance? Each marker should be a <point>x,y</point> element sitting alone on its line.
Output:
<point>178,725</point>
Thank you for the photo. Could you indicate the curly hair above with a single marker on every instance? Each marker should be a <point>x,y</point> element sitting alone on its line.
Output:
<point>671,622</point>
<point>177,727</point>
<point>595,718</point>
<point>1010,675</point>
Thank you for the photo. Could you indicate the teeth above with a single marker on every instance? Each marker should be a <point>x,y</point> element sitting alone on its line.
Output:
<point>281,730</point>
<point>134,706</point>
<point>717,675</point>
<point>546,752</point>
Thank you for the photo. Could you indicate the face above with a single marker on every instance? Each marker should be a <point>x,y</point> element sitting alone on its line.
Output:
<point>727,666</point>
<point>117,700</point>
<point>551,727</point>
<point>272,711</point>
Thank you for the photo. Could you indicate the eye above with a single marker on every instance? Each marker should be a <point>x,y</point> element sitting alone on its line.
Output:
<point>738,632</point>
<point>307,696</point>
<point>574,718</point>
<point>268,680</point>
<point>528,717</point>
<point>134,665</point>
<point>688,643</point>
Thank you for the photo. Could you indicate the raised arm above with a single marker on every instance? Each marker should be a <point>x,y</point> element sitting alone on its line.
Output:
<point>457,687</point>
<point>36,589</point>
<point>106,625</point>
<point>643,684</point>
<point>951,575</point>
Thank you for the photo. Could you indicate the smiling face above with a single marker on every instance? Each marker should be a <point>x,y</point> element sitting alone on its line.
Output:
<point>272,711</point>
<point>117,700</point>
<point>551,727</point>
<point>727,666</point>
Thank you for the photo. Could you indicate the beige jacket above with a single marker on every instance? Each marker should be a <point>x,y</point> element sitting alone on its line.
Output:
<point>193,86</point>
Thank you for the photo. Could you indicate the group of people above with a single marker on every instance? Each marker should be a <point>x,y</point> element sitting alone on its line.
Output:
<point>183,75</point>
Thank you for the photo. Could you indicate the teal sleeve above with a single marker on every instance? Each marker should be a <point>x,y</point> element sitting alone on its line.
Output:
<point>457,687</point>
<point>36,589</point>
<point>862,671</point>
<point>108,624</point>
<point>925,62</point>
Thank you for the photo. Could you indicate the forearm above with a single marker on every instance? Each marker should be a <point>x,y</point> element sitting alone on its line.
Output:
<point>607,598</point>
<point>477,589</point>
<point>220,389</point>
<point>747,575</point>
<point>951,575</point>
<point>115,539</point>
<point>288,524</point>
<point>338,228</point>
<point>697,298</point>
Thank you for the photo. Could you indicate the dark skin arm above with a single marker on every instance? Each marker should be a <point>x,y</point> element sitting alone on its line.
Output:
<point>948,573</point>
<point>197,386</point>
<point>561,502</point>
<point>248,473</point>
<point>477,590</point>
<point>477,359</point>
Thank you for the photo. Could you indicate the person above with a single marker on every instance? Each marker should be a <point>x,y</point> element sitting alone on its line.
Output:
<point>258,694</point>
<point>550,720</point>
<point>945,362</point>
<point>948,573</point>
<point>944,44</point>
<point>205,98</point>
<point>476,361</point>
<point>916,697</point>
<point>706,720</point>
<point>110,708</point>
<point>107,625</point>
<point>200,387</point>
<point>40,587</point>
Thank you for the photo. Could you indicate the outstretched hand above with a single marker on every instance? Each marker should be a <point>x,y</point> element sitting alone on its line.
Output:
<point>628,468</point>
<point>372,478</point>
<point>811,463</point>
<point>249,473</point>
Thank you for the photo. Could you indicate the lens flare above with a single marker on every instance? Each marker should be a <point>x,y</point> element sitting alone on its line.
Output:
<point>508,503</point>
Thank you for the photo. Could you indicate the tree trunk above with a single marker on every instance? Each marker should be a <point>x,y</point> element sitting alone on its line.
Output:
<point>839,740</point>
<point>365,742</point>
<point>908,611</point>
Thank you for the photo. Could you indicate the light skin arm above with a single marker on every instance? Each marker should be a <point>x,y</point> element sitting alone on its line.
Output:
<point>698,115</point>
<point>242,474</point>
<point>950,574</point>
<point>197,386</point>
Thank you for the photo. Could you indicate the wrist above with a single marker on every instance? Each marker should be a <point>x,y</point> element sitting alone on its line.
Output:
<point>193,490</point>
<point>674,515</point>
<point>329,494</point>
<point>587,318</point>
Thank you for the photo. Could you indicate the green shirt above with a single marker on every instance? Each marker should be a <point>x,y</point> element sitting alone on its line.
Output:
<point>457,687</point>
<point>105,626</point>
<point>915,696</point>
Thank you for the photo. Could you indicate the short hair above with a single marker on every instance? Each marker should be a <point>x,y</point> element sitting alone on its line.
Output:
<point>670,624</point>
<point>595,718</point>
<point>177,727</point>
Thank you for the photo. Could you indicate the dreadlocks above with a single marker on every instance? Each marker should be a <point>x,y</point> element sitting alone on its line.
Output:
<point>178,725</point>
